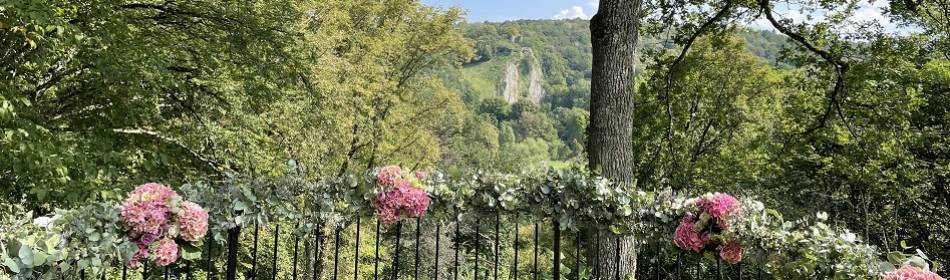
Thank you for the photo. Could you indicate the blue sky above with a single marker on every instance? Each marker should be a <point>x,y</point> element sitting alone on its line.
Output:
<point>502,10</point>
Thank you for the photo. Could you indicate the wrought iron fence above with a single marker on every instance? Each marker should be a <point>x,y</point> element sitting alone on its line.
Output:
<point>480,253</point>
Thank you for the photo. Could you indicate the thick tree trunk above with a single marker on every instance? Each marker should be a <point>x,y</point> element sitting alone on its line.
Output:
<point>614,37</point>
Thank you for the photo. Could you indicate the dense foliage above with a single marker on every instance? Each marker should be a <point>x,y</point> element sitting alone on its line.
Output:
<point>103,94</point>
<point>828,115</point>
<point>95,238</point>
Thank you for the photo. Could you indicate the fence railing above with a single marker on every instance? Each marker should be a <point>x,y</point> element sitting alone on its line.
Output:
<point>473,247</point>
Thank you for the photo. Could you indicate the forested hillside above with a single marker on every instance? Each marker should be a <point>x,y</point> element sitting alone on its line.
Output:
<point>745,111</point>
<point>530,79</point>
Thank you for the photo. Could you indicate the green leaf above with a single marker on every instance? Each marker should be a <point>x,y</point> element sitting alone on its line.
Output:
<point>11,264</point>
<point>239,205</point>
<point>39,258</point>
<point>918,262</point>
<point>26,255</point>
<point>83,263</point>
<point>896,257</point>
<point>52,242</point>
<point>886,266</point>
<point>190,252</point>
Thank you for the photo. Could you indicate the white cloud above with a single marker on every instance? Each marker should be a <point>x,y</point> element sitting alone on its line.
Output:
<point>572,13</point>
<point>867,12</point>
<point>593,4</point>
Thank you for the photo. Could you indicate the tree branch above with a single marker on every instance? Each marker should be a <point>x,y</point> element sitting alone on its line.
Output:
<point>669,74</point>
<point>211,164</point>
<point>841,67</point>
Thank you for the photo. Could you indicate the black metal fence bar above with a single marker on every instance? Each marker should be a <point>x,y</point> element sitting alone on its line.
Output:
<point>517,244</point>
<point>376,257</point>
<point>577,255</point>
<point>655,262</point>
<point>497,243</point>
<point>356,249</point>
<point>296,246</point>
<point>398,246</point>
<point>534,268</point>
<point>234,236</point>
<point>274,259</point>
<point>478,223</point>
<point>438,235</point>
<point>336,251</point>
<point>257,230</point>
<point>418,238</point>
<point>458,243</point>
<point>318,252</point>
<point>557,250</point>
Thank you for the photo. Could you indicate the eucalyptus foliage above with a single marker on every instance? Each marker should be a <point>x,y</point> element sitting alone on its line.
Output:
<point>92,238</point>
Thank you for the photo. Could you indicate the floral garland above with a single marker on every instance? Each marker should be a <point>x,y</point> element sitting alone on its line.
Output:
<point>156,224</point>
<point>399,195</point>
<point>706,227</point>
<point>158,219</point>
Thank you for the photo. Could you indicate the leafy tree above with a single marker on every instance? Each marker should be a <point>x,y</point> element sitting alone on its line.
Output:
<point>98,94</point>
<point>496,107</point>
<point>101,96</point>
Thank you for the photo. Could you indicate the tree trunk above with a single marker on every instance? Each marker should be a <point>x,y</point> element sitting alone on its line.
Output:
<point>614,37</point>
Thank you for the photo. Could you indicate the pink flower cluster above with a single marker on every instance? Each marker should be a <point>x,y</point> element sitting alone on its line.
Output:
<point>720,207</point>
<point>704,230</point>
<point>155,216</point>
<point>165,252</point>
<point>401,195</point>
<point>688,238</point>
<point>193,221</point>
<point>908,272</point>
<point>731,252</point>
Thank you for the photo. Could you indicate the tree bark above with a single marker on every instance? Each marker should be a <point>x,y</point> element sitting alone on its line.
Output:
<point>614,40</point>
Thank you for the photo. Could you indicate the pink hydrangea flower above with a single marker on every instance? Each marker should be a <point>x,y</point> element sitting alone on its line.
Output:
<point>387,215</point>
<point>687,238</point>
<point>387,175</point>
<point>165,252</point>
<point>721,206</point>
<point>421,175</point>
<point>403,183</point>
<point>401,200</point>
<point>731,252</point>
<point>908,272</point>
<point>149,212</point>
<point>146,209</point>
<point>193,221</point>
<point>152,191</point>
<point>419,202</point>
